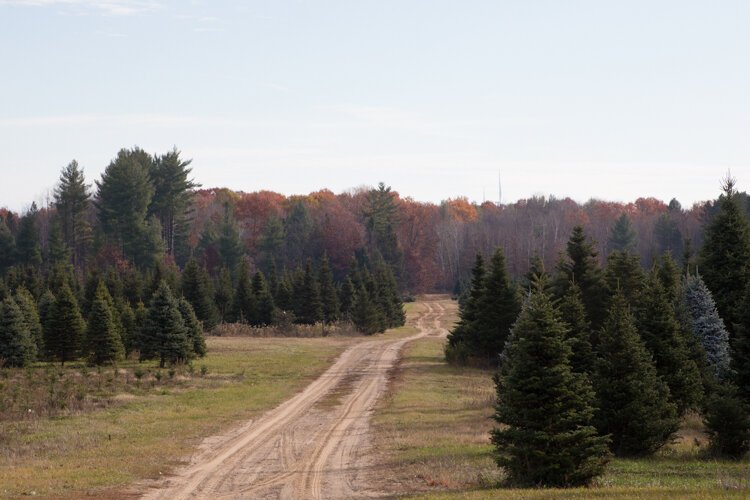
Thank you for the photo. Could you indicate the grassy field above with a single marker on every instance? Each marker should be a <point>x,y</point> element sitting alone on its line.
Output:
<point>94,438</point>
<point>432,433</point>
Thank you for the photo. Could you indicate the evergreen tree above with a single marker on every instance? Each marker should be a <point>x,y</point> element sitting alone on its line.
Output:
<point>17,348</point>
<point>164,332</point>
<point>328,295</point>
<point>582,268</point>
<point>28,307</point>
<point>660,332</point>
<point>669,275</point>
<point>546,408</point>
<point>633,401</point>
<point>66,327</point>
<point>456,350</point>
<point>536,274</point>
<point>708,327</point>
<point>741,349</point>
<point>364,314</point>
<point>57,251</point>
<point>264,300</point>
<point>230,245</point>
<point>285,297</point>
<point>622,237</point>
<point>72,200</point>
<point>497,311</point>
<point>381,219</point>
<point>667,235</point>
<point>193,328</point>
<point>126,324</point>
<point>624,274</point>
<point>172,197</point>
<point>724,262</point>
<point>727,420</point>
<point>103,340</point>
<point>307,296</point>
<point>224,294</point>
<point>196,288</point>
<point>346,298</point>
<point>573,314</point>
<point>7,247</point>
<point>244,305</point>
<point>123,199</point>
<point>27,241</point>
<point>271,244</point>
<point>44,306</point>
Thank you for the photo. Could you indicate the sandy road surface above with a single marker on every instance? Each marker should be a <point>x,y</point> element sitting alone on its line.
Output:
<point>312,446</point>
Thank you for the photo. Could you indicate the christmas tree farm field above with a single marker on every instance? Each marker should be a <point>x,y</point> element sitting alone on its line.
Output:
<point>77,431</point>
<point>432,436</point>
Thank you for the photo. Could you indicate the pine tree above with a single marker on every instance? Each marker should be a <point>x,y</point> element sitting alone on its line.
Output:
<point>244,305</point>
<point>364,314</point>
<point>66,327</point>
<point>456,349</point>
<point>724,262</point>
<point>72,199</point>
<point>573,314</point>
<point>633,401</point>
<point>622,236</point>
<point>26,303</point>
<point>546,407</point>
<point>196,288</point>
<point>624,274</point>
<point>727,419</point>
<point>164,332</point>
<point>741,349</point>
<point>264,300</point>
<point>708,327</point>
<point>328,295</point>
<point>193,327</point>
<point>307,296</point>
<point>103,341</point>
<point>224,294</point>
<point>27,241</point>
<point>660,332</point>
<point>17,347</point>
<point>497,311</point>
<point>582,268</point>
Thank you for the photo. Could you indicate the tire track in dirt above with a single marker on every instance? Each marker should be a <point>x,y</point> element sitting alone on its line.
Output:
<point>303,448</point>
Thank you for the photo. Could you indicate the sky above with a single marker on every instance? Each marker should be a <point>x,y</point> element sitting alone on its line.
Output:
<point>604,99</point>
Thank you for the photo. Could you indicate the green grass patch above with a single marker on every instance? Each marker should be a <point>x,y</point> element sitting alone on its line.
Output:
<point>432,431</point>
<point>144,432</point>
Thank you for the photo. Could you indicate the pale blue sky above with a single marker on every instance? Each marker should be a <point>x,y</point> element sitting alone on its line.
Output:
<point>608,99</point>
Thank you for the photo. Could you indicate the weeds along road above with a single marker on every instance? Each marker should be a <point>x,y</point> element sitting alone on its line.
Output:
<point>312,446</point>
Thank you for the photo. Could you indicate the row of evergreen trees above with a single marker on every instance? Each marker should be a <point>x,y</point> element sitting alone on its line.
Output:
<point>607,360</point>
<point>53,328</point>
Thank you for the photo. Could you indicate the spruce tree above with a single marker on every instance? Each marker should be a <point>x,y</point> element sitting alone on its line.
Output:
<point>497,311</point>
<point>244,305</point>
<point>346,298</point>
<point>633,401</point>
<point>72,199</point>
<point>573,314</point>
<point>328,295</point>
<point>45,306</point>
<point>741,349</point>
<point>727,419</point>
<point>264,300</point>
<point>660,332</point>
<point>26,303</point>
<point>624,274</point>
<point>724,262</point>
<point>224,294</point>
<point>456,350</point>
<point>67,327</point>
<point>164,332</point>
<point>622,236</point>
<point>17,347</point>
<point>364,314</point>
<point>7,247</point>
<point>196,288</point>
<point>669,275</point>
<point>27,241</point>
<point>707,326</point>
<point>308,298</point>
<point>193,328</point>
<point>103,341</point>
<point>545,407</point>
<point>582,267</point>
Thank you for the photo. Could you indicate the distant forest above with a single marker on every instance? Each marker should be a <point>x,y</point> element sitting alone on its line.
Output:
<point>141,216</point>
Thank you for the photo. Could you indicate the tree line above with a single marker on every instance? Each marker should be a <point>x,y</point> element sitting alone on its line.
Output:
<point>596,361</point>
<point>105,274</point>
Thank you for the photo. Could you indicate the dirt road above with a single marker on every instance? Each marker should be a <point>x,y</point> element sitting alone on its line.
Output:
<point>312,446</point>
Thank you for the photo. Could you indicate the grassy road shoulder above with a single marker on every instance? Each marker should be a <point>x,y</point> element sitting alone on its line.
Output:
<point>143,434</point>
<point>432,436</point>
